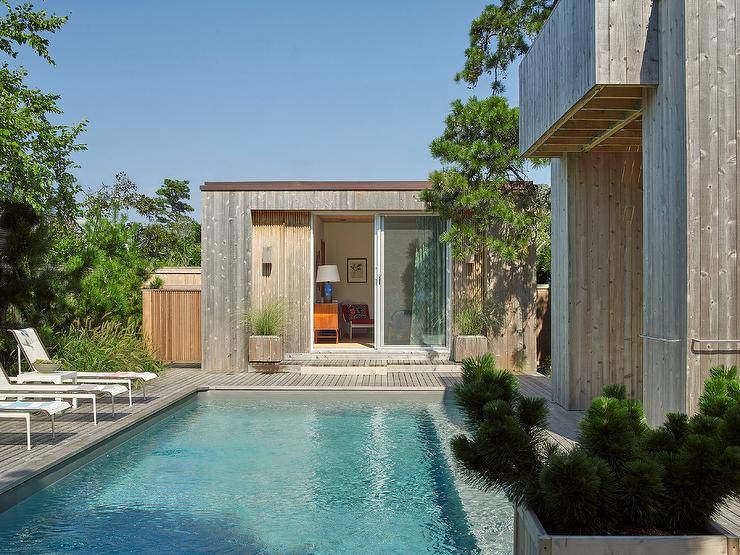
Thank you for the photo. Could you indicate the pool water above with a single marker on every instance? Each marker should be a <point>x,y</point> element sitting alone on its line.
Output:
<point>261,475</point>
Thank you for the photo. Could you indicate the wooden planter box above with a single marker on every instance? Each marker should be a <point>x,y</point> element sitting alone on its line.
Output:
<point>530,538</point>
<point>469,346</point>
<point>265,348</point>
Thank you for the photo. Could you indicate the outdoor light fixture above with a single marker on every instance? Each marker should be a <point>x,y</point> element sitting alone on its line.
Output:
<point>327,275</point>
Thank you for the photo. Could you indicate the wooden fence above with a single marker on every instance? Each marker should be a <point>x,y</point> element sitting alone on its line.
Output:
<point>171,316</point>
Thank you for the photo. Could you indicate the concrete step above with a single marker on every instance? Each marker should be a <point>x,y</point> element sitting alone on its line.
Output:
<point>345,370</point>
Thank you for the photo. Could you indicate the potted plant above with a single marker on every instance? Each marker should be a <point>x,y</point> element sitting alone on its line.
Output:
<point>470,341</point>
<point>624,487</point>
<point>265,326</point>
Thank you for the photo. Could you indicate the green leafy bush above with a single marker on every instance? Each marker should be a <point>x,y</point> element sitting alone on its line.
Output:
<point>270,319</point>
<point>622,477</point>
<point>110,347</point>
<point>471,321</point>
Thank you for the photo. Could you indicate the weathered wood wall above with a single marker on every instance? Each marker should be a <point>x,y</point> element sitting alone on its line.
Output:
<point>597,276</point>
<point>712,190</point>
<point>510,297</point>
<point>508,294</point>
<point>584,43</point>
<point>226,241</point>
<point>665,224</point>
<point>171,323</point>
<point>288,277</point>
<point>691,203</point>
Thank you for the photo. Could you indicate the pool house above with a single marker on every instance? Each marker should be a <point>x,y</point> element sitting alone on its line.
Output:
<point>360,268</point>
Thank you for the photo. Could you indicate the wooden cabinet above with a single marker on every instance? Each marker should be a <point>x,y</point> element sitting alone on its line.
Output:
<point>326,322</point>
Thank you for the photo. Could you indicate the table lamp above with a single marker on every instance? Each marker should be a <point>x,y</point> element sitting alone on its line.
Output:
<point>327,275</point>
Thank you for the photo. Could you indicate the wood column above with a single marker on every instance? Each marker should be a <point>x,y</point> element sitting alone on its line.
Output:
<point>597,275</point>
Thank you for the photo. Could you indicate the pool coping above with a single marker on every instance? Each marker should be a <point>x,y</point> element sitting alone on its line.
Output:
<point>44,471</point>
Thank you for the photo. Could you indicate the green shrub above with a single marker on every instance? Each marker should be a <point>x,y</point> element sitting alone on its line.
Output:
<point>110,347</point>
<point>270,319</point>
<point>471,321</point>
<point>622,477</point>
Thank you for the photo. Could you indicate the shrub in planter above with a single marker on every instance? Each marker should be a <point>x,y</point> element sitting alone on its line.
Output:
<point>622,477</point>
<point>265,326</point>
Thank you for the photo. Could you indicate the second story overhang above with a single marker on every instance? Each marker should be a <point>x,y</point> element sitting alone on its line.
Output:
<point>582,82</point>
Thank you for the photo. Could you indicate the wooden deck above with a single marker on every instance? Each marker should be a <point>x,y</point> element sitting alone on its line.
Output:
<point>76,434</point>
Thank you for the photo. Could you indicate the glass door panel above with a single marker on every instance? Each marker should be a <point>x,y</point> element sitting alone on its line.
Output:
<point>414,280</point>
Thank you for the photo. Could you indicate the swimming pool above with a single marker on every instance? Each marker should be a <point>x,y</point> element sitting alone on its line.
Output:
<point>269,473</point>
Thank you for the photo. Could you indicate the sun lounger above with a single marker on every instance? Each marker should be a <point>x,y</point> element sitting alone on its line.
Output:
<point>24,409</point>
<point>74,392</point>
<point>30,345</point>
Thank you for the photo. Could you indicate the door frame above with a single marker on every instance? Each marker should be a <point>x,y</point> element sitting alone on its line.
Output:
<point>316,214</point>
<point>380,293</point>
<point>378,238</point>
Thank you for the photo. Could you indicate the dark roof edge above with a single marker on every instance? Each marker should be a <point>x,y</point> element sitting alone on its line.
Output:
<point>315,185</point>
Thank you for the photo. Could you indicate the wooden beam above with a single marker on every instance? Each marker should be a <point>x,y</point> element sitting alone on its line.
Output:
<point>565,117</point>
<point>599,115</point>
<point>613,91</point>
<point>548,151</point>
<point>611,131</point>
<point>599,103</point>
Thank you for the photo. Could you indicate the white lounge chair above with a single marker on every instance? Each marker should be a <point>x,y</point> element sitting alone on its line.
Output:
<point>55,391</point>
<point>29,343</point>
<point>24,409</point>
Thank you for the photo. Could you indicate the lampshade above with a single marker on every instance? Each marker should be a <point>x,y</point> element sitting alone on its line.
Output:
<point>327,273</point>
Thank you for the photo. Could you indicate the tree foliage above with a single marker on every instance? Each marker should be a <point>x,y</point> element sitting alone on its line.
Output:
<point>481,187</point>
<point>622,477</point>
<point>479,148</point>
<point>501,34</point>
<point>35,153</point>
<point>70,259</point>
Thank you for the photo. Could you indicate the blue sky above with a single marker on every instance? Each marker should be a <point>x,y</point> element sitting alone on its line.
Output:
<point>258,90</point>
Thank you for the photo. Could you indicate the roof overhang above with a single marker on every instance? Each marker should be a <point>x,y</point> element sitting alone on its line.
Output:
<point>607,119</point>
<point>315,185</point>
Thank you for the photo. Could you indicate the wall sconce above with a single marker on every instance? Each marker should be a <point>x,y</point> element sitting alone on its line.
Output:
<point>266,261</point>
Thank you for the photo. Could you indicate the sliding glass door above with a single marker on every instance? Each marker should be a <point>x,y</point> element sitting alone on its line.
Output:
<point>411,278</point>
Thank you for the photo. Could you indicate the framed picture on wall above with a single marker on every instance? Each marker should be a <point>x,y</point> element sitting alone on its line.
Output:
<point>357,270</point>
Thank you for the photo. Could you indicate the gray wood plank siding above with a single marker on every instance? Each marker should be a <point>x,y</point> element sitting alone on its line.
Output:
<point>226,263</point>
<point>511,301</point>
<point>583,44</point>
<point>691,204</point>
<point>597,282</point>
<point>664,225</point>
<point>711,114</point>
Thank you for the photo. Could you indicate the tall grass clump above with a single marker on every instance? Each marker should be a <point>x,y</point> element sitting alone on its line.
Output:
<point>111,347</point>
<point>622,477</point>
<point>270,319</point>
<point>471,320</point>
